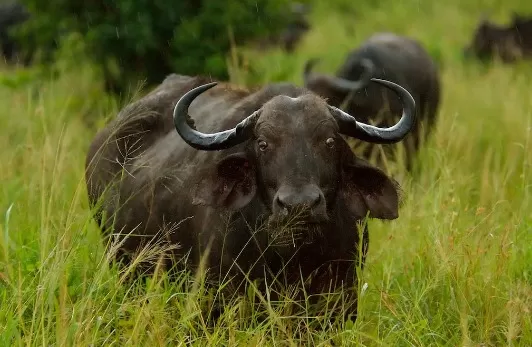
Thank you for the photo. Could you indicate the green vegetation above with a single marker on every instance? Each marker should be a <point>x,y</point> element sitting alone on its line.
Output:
<point>133,39</point>
<point>454,270</point>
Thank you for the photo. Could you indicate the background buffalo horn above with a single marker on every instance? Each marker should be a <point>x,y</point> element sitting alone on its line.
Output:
<point>351,127</point>
<point>209,142</point>
<point>337,83</point>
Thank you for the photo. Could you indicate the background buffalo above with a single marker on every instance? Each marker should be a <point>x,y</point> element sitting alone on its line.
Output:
<point>389,56</point>
<point>508,43</point>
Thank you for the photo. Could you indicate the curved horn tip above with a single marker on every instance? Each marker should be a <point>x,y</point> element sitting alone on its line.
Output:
<point>393,85</point>
<point>205,86</point>
<point>188,97</point>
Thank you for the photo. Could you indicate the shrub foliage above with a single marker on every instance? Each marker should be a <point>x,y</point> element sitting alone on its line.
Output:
<point>147,39</point>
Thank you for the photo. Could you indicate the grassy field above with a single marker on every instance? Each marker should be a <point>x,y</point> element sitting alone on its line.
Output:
<point>454,270</point>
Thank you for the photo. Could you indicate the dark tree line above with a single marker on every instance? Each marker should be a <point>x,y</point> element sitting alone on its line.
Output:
<point>147,39</point>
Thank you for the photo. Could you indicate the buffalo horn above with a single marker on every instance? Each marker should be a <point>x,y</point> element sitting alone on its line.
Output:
<point>209,142</point>
<point>351,127</point>
<point>242,131</point>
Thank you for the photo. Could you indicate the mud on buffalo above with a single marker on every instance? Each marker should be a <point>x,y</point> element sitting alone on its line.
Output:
<point>387,56</point>
<point>260,182</point>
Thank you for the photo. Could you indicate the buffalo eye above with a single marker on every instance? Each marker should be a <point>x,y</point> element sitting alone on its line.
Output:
<point>262,145</point>
<point>330,142</point>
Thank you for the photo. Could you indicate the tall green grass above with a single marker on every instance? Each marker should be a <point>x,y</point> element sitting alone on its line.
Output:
<point>454,269</point>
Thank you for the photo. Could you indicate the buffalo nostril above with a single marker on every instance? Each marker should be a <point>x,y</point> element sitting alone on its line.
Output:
<point>280,203</point>
<point>316,202</point>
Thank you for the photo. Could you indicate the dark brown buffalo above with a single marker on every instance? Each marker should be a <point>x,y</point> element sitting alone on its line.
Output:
<point>391,57</point>
<point>233,192</point>
<point>509,43</point>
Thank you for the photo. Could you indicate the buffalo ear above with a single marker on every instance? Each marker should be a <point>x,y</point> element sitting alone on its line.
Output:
<point>368,189</point>
<point>230,185</point>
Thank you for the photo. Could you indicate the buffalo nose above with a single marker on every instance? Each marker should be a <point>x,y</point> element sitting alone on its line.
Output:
<point>288,199</point>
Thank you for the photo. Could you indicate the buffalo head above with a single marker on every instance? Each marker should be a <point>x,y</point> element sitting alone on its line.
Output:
<point>293,158</point>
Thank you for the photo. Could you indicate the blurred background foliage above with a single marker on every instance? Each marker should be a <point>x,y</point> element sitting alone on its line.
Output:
<point>144,40</point>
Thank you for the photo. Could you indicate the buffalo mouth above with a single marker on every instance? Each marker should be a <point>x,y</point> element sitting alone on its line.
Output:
<point>294,229</point>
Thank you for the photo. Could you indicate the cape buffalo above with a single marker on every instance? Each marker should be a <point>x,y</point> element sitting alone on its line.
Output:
<point>278,194</point>
<point>387,56</point>
<point>509,43</point>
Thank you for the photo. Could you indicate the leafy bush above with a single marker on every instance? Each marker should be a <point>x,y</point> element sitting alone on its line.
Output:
<point>147,39</point>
